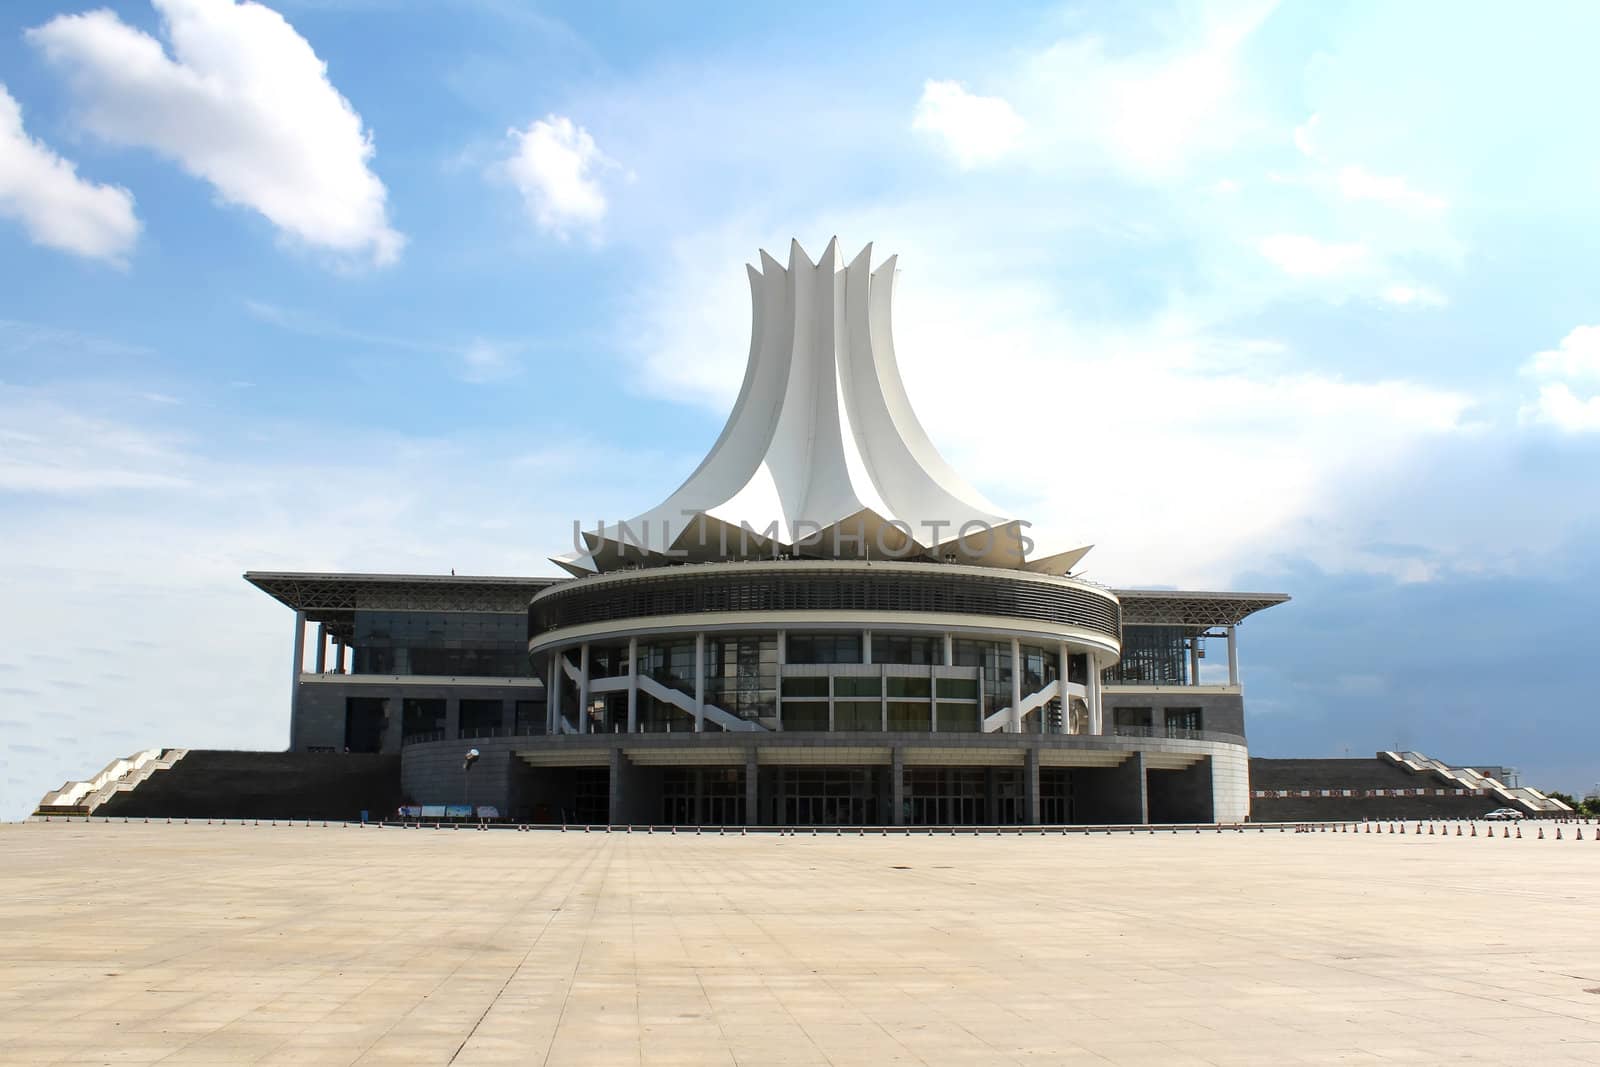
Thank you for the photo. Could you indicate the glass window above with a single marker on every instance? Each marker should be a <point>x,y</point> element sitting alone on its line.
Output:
<point>1151,655</point>
<point>994,657</point>
<point>742,673</point>
<point>1182,722</point>
<point>958,718</point>
<point>963,688</point>
<point>910,716</point>
<point>857,715</point>
<point>1133,722</point>
<point>908,687</point>
<point>422,719</point>
<point>805,687</point>
<point>530,717</point>
<point>907,648</point>
<point>857,687</point>
<point>805,716</point>
<point>822,648</point>
<point>456,643</point>
<point>479,718</point>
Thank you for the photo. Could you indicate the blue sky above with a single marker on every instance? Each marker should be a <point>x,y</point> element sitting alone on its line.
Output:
<point>1297,297</point>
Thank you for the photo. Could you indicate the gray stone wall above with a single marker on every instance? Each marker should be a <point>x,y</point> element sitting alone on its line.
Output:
<point>1221,713</point>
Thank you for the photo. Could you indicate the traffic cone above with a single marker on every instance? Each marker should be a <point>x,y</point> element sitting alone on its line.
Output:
<point>1558,833</point>
<point>1519,833</point>
<point>1474,829</point>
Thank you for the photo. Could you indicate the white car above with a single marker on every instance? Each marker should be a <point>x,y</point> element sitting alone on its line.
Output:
<point>1505,814</point>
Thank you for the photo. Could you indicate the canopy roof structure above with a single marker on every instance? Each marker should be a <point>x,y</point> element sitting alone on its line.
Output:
<point>1191,609</point>
<point>822,455</point>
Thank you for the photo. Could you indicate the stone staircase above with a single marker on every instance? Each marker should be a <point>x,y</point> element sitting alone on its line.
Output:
<point>1523,797</point>
<point>119,776</point>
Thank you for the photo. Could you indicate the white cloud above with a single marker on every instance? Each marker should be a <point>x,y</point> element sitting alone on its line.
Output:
<point>244,103</point>
<point>1358,184</point>
<point>1307,257</point>
<point>49,448</point>
<point>57,208</point>
<point>1560,407</point>
<point>1150,111</point>
<point>1406,294</point>
<point>555,165</point>
<point>1576,357</point>
<point>975,129</point>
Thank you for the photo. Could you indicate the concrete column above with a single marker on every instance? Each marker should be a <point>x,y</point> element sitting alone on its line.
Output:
<point>830,703</point>
<point>1233,655</point>
<point>699,683</point>
<point>616,810</point>
<point>338,657</point>
<point>552,694</point>
<point>508,717</point>
<point>897,786</point>
<point>949,650</point>
<point>783,656</point>
<point>583,688</point>
<point>1091,696</point>
<point>883,699</point>
<point>1030,786</point>
<point>752,788</point>
<point>1063,672</point>
<point>983,713</point>
<point>633,685</point>
<point>866,646</point>
<point>452,718</point>
<point>294,681</point>
<point>1194,660</point>
<point>322,648</point>
<point>1016,686</point>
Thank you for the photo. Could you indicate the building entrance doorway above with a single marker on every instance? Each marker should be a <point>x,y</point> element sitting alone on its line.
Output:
<point>829,796</point>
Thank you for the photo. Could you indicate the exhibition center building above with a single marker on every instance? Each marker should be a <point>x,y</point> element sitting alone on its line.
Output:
<point>825,625</point>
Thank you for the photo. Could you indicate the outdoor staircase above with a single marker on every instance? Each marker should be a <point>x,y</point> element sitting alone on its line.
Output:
<point>119,776</point>
<point>1465,777</point>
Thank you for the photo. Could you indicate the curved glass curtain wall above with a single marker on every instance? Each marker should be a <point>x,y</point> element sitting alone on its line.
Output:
<point>829,681</point>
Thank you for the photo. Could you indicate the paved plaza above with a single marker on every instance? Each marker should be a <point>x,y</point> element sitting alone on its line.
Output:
<point>242,944</point>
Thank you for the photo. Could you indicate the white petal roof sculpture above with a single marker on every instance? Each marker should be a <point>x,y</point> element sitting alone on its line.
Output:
<point>822,456</point>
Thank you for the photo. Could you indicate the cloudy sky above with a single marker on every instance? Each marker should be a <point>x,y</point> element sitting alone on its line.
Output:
<point>1301,297</point>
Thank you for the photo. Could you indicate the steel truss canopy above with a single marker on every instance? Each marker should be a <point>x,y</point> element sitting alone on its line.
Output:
<point>1195,610</point>
<point>822,456</point>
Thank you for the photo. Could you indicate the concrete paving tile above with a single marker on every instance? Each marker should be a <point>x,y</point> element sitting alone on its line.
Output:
<point>679,949</point>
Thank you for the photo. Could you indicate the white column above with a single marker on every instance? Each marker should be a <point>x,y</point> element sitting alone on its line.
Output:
<point>1016,686</point>
<point>1233,655</point>
<point>1063,669</point>
<point>633,685</point>
<point>1091,689</point>
<point>552,694</point>
<point>777,696</point>
<point>322,648</point>
<point>866,646</point>
<point>883,698</point>
<point>1194,660</point>
<point>949,650</point>
<point>294,681</point>
<point>699,682</point>
<point>583,689</point>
